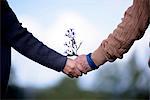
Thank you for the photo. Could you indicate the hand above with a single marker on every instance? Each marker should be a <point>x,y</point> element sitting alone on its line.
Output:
<point>84,68</point>
<point>71,68</point>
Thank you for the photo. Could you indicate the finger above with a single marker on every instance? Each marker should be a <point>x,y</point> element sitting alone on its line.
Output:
<point>73,73</point>
<point>71,76</point>
<point>78,58</point>
<point>77,72</point>
<point>84,69</point>
<point>81,65</point>
<point>74,70</point>
<point>80,68</point>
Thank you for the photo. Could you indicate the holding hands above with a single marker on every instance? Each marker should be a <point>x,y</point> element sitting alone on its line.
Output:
<point>82,60</point>
<point>71,68</point>
<point>82,64</point>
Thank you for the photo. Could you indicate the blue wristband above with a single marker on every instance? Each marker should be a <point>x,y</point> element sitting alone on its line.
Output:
<point>91,62</point>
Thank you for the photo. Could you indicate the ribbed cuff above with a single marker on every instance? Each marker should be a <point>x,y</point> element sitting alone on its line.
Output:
<point>91,62</point>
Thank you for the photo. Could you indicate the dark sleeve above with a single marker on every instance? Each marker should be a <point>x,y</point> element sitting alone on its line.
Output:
<point>25,43</point>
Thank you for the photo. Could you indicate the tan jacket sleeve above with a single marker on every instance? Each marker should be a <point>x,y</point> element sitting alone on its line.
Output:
<point>132,27</point>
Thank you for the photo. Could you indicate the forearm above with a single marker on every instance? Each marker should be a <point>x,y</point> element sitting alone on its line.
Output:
<point>132,27</point>
<point>25,43</point>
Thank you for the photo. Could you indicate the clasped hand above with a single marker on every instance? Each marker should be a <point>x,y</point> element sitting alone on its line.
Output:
<point>76,67</point>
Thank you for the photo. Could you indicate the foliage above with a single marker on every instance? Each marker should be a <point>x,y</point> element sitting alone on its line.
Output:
<point>130,83</point>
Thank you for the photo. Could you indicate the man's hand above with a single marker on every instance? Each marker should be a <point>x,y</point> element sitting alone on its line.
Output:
<point>71,68</point>
<point>82,60</point>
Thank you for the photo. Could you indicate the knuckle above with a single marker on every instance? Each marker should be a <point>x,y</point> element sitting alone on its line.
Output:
<point>72,68</point>
<point>76,76</point>
<point>69,71</point>
<point>84,71</point>
<point>80,74</point>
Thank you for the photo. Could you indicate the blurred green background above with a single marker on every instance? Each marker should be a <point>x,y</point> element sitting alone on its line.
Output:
<point>107,85</point>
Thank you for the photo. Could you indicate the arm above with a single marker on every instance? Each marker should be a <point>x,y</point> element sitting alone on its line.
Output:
<point>25,43</point>
<point>132,27</point>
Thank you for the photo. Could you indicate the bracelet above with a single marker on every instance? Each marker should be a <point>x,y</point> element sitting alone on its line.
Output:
<point>91,62</point>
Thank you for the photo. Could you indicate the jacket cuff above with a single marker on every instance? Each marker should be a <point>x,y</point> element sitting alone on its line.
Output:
<point>62,63</point>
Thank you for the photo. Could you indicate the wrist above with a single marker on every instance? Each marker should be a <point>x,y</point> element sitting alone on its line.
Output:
<point>95,60</point>
<point>98,57</point>
<point>68,62</point>
<point>91,62</point>
<point>66,65</point>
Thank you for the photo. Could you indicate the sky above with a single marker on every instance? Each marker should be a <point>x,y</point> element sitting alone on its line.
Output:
<point>48,20</point>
